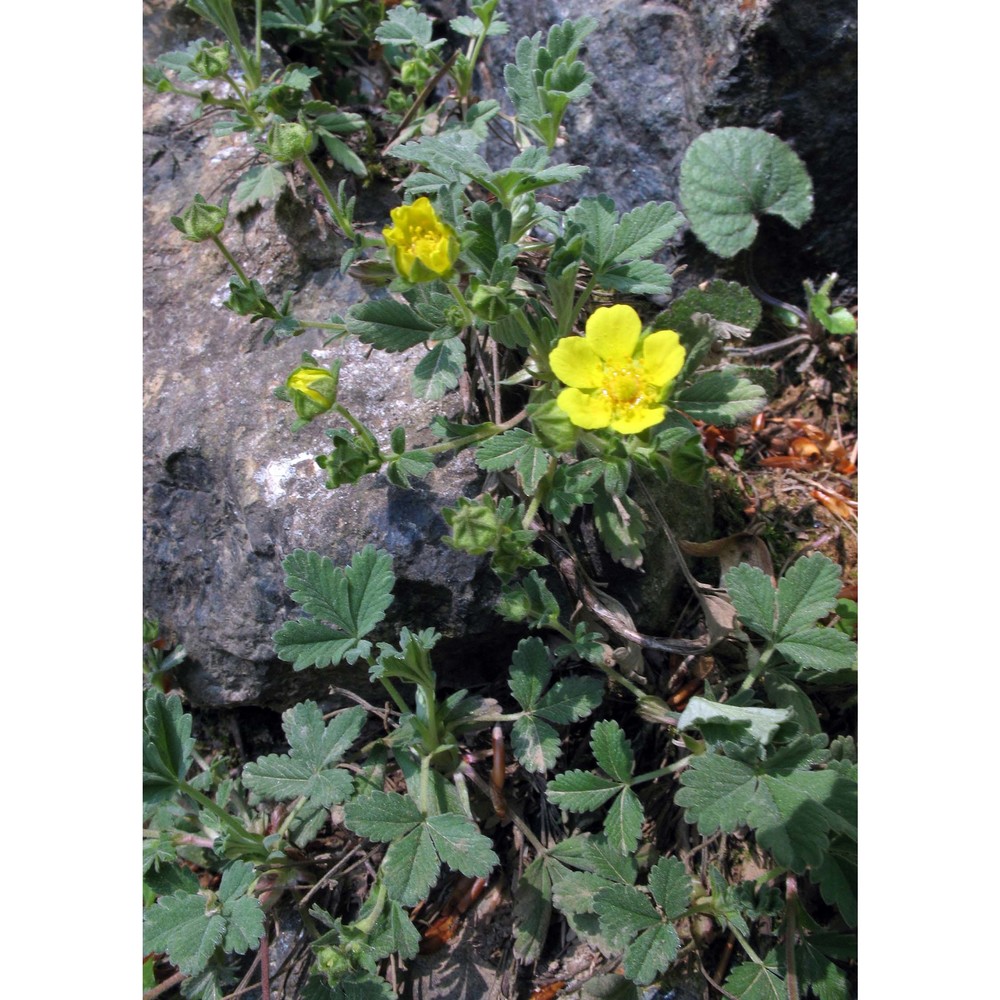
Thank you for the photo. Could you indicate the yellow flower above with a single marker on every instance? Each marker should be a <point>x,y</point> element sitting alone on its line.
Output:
<point>617,378</point>
<point>422,247</point>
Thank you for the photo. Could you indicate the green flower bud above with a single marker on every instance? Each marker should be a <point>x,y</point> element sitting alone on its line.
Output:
<point>211,61</point>
<point>474,525</point>
<point>351,458</point>
<point>491,302</point>
<point>332,962</point>
<point>552,426</point>
<point>312,390</point>
<point>201,221</point>
<point>290,141</point>
<point>652,709</point>
<point>415,73</point>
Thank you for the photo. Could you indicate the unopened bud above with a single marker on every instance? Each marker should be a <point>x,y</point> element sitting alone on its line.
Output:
<point>201,221</point>
<point>290,141</point>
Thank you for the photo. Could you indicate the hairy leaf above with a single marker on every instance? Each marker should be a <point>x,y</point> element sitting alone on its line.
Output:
<point>807,593</point>
<point>166,747</point>
<point>382,816</point>
<point>671,886</point>
<point>731,176</point>
<point>721,397</point>
<point>535,744</point>
<point>581,791</point>
<point>180,926</point>
<point>410,866</point>
<point>439,370</point>
<point>389,325</point>
<point>612,751</point>
<point>461,846</point>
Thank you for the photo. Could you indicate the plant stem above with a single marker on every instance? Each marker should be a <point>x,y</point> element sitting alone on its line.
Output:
<point>652,775</point>
<point>540,490</point>
<point>456,294</point>
<point>791,905</point>
<point>231,259</point>
<point>235,828</point>
<point>480,435</point>
<point>342,221</point>
<point>757,669</point>
<point>315,324</point>
<point>396,696</point>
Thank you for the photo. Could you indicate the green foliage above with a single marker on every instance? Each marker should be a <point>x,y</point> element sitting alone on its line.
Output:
<point>353,600</point>
<point>732,176</point>
<point>166,748</point>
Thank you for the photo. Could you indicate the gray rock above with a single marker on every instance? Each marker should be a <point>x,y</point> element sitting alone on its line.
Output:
<point>230,491</point>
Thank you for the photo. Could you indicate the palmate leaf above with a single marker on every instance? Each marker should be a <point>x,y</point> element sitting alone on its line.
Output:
<point>261,183</point>
<point>750,981</point>
<point>533,905</point>
<point>410,867</point>
<point>731,176</point>
<point>353,599</point>
<point>570,699</point>
<point>166,747</point>
<point>792,811</point>
<point>651,953</point>
<point>381,816</point>
<point>518,449</point>
<point>309,768</point>
<point>242,911</point>
<point>180,926</point>
<point>807,593</point>
<point>612,751</point>
<point>461,846</point>
<point>671,886</point>
<point>530,670</point>
<point>581,791</point>
<point>535,744</point>
<point>753,595</point>
<point>439,370</point>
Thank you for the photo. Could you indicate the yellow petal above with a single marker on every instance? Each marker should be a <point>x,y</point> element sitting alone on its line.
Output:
<point>662,356</point>
<point>574,362</point>
<point>585,409</point>
<point>636,419</point>
<point>613,332</point>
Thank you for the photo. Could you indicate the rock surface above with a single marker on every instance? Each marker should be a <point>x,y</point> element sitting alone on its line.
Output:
<point>229,490</point>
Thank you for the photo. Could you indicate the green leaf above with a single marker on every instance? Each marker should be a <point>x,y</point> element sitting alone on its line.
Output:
<point>792,811</point>
<point>611,863</point>
<point>610,987</point>
<point>571,488</point>
<point>571,699</point>
<point>381,816</point>
<point>242,911</point>
<point>719,722</point>
<point>530,670</point>
<point>750,981</point>
<point>309,767</point>
<point>166,747</point>
<point>612,750</point>
<point>533,906</point>
<point>818,973</point>
<point>307,643</point>
<point>671,886</point>
<point>580,791</point>
<point>439,370</point>
<point>259,184</point>
<point>451,156</point>
<point>461,846</point>
<point>407,26</point>
<point>576,892</point>
<point>721,397</point>
<point>731,176</point>
<point>785,693</point>
<point>529,601</point>
<point>623,823</point>
<point>624,912</point>
<point>410,867</point>
<point>180,926</point>
<point>637,277</point>
<point>341,153</point>
<point>512,448</point>
<point>837,878</point>
<point>825,649</point>
<point>388,325</point>
<point>807,593</point>
<point>535,744</point>
<point>395,932</point>
<point>645,230</point>
<point>620,527</point>
<point>753,595</point>
<point>651,952</point>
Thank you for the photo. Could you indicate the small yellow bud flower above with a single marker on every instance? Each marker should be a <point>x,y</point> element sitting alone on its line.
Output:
<point>421,246</point>
<point>312,390</point>
<point>617,378</point>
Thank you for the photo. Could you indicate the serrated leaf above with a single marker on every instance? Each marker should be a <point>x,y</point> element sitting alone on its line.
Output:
<point>610,987</point>
<point>623,823</point>
<point>530,670</point>
<point>381,816</point>
<point>611,863</point>
<point>406,26</point>
<point>307,770</point>
<point>719,721</point>
<point>308,643</point>
<point>731,176</point>
<point>612,750</point>
<point>750,981</point>
<point>515,448</point>
<point>624,912</point>
<point>837,878</point>
<point>388,325</point>
<point>439,370</point>
<point>451,156</point>
<point>533,906</point>
<point>620,527</point>
<point>410,867</point>
<point>753,595</point>
<point>785,693</point>
<point>792,812</point>
<point>244,924</point>
<point>461,846</point>
<point>166,747</point>
<point>807,593</point>
<point>261,183</point>
<point>818,973</point>
<point>571,699</point>
<point>535,744</point>
<point>645,230</point>
<point>721,397</point>
<point>580,791</point>
<point>651,952</point>
<point>637,277</point>
<point>180,926</point>
<point>670,885</point>
<point>825,649</point>
<point>341,153</point>
<point>576,892</point>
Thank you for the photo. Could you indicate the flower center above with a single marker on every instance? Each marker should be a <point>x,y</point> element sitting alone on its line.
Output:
<point>624,383</point>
